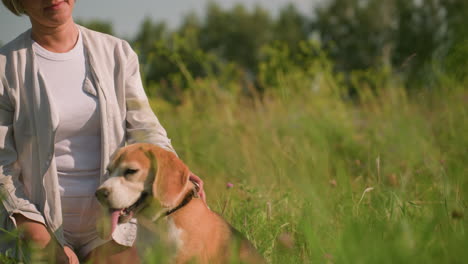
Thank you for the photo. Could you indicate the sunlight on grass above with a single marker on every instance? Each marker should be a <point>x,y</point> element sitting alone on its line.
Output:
<point>318,176</point>
<point>321,178</point>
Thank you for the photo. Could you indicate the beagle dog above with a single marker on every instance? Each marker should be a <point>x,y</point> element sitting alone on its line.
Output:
<point>153,184</point>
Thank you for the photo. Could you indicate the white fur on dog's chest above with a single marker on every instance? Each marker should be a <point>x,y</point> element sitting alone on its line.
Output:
<point>175,233</point>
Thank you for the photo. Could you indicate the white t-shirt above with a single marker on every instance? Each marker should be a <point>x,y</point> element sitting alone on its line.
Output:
<point>78,136</point>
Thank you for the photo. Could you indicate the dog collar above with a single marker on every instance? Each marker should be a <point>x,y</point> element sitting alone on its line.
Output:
<point>188,197</point>
<point>184,202</point>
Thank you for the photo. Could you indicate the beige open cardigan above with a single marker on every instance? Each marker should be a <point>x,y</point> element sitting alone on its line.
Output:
<point>28,121</point>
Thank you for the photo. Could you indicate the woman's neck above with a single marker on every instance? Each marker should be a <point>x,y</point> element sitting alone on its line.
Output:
<point>58,39</point>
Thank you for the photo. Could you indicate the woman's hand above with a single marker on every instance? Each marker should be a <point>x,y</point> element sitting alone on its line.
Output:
<point>199,181</point>
<point>72,258</point>
<point>65,256</point>
<point>37,233</point>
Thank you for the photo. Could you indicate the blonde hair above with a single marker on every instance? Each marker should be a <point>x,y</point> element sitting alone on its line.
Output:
<point>14,6</point>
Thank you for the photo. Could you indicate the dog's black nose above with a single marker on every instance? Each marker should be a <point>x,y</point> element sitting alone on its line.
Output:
<point>102,193</point>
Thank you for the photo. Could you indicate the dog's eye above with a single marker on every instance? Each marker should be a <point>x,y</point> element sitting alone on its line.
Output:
<point>130,171</point>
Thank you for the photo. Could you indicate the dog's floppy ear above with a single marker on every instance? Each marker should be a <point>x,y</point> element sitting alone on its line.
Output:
<point>116,158</point>
<point>172,177</point>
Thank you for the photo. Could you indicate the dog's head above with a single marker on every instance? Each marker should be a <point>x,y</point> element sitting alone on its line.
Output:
<point>140,174</point>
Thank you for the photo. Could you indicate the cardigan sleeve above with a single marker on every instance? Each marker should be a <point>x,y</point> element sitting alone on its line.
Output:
<point>141,123</point>
<point>11,188</point>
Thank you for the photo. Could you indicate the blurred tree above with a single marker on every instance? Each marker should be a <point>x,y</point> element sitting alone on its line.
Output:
<point>291,28</point>
<point>456,13</point>
<point>456,49</point>
<point>97,25</point>
<point>356,33</point>
<point>236,35</point>
<point>408,35</point>
<point>202,47</point>
<point>172,59</point>
<point>148,35</point>
<point>420,33</point>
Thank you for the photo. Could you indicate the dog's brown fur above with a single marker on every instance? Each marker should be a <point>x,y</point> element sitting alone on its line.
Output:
<point>203,236</point>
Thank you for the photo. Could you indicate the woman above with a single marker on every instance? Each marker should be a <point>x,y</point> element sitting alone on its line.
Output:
<point>69,97</point>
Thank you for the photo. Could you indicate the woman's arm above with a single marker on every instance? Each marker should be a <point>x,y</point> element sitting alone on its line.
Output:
<point>37,233</point>
<point>142,123</point>
<point>11,189</point>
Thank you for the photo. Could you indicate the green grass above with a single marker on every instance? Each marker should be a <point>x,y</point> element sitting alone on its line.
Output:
<point>322,178</point>
<point>319,178</point>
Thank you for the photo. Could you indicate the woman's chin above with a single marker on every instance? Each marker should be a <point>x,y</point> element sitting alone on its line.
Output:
<point>53,18</point>
<point>58,20</point>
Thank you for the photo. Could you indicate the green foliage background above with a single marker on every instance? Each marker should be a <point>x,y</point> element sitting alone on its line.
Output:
<point>408,38</point>
<point>343,132</point>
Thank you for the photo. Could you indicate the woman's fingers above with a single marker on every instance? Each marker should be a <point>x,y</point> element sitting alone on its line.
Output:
<point>72,257</point>
<point>201,191</point>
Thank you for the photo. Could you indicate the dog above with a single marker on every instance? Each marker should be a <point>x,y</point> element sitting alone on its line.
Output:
<point>151,183</point>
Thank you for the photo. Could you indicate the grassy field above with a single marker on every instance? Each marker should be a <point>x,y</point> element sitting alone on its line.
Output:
<point>320,178</point>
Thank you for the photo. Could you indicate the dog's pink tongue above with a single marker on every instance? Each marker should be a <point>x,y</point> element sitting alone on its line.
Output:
<point>115,220</point>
